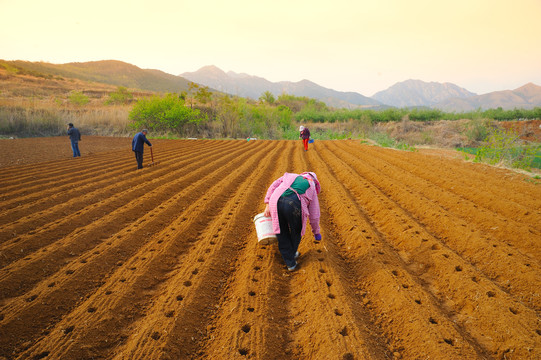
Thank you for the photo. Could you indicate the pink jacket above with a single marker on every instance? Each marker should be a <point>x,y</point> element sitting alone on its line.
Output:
<point>309,200</point>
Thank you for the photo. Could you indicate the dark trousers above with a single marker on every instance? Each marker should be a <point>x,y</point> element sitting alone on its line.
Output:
<point>290,218</point>
<point>75,148</point>
<point>139,158</point>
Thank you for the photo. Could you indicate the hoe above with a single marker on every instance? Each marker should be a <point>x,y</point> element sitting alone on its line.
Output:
<point>152,158</point>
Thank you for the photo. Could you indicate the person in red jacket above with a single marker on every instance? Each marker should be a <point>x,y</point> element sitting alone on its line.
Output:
<point>305,136</point>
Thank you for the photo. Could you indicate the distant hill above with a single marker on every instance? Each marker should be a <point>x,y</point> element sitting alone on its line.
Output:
<point>419,93</point>
<point>245,85</point>
<point>111,72</point>
<point>525,97</point>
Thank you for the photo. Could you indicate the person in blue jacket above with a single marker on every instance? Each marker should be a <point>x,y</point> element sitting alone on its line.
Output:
<point>75,137</point>
<point>138,146</point>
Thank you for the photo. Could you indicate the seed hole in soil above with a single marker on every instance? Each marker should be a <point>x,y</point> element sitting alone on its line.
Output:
<point>418,301</point>
<point>528,265</point>
<point>212,242</point>
<point>446,256</point>
<point>180,297</point>
<point>449,341</point>
<point>251,293</point>
<point>328,283</point>
<point>91,309</point>
<point>263,247</point>
<point>538,332</point>
<point>320,259</point>
<point>122,280</point>
<point>160,241</point>
<point>41,355</point>
<point>394,272</point>
<point>246,328</point>
<point>195,271</point>
<point>256,268</point>
<point>331,296</point>
<point>405,286</point>
<point>254,280</point>
<point>69,272</point>
<point>491,294</point>
<point>319,251</point>
<point>32,298</point>
<point>348,356</point>
<point>338,312</point>
<point>1,317</point>
<point>169,313</point>
<point>432,321</point>
<point>458,268</point>
<point>108,292</point>
<point>474,279</point>
<point>243,351</point>
<point>187,283</point>
<point>260,257</point>
<point>381,252</point>
<point>344,331</point>
<point>83,261</point>
<point>513,310</point>
<point>323,271</point>
<point>250,309</point>
<point>51,284</point>
<point>509,254</point>
<point>155,335</point>
<point>68,329</point>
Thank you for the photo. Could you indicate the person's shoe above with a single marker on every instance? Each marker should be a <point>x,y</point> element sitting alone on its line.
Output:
<point>293,268</point>
<point>297,254</point>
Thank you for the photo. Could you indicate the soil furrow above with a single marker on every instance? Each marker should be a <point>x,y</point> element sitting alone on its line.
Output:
<point>520,204</point>
<point>21,274</point>
<point>489,223</point>
<point>522,276</point>
<point>396,300</point>
<point>422,256</point>
<point>122,246</point>
<point>63,191</point>
<point>456,283</point>
<point>89,202</point>
<point>192,263</point>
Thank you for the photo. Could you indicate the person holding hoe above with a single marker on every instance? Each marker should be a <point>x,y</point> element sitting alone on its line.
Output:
<point>290,200</point>
<point>138,146</point>
<point>305,136</point>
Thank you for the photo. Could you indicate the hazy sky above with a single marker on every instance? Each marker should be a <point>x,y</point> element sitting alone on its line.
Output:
<point>347,45</point>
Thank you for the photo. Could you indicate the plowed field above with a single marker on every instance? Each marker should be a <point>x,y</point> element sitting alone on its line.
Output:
<point>423,256</point>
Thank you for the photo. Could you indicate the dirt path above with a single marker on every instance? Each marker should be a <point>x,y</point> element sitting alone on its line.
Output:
<point>422,256</point>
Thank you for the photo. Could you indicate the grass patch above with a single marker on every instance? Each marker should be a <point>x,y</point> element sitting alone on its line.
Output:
<point>385,140</point>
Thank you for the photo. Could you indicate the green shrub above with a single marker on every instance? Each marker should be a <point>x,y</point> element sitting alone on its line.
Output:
<point>505,148</point>
<point>78,98</point>
<point>121,96</point>
<point>164,114</point>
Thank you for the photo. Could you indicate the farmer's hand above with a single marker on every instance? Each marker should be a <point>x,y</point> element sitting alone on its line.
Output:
<point>317,237</point>
<point>266,213</point>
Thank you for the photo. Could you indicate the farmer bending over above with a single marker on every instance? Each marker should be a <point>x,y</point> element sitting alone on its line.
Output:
<point>290,199</point>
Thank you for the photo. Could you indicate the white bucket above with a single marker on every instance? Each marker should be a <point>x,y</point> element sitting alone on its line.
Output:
<point>263,227</point>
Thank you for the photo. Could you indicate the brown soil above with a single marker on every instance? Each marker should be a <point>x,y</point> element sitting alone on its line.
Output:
<point>423,256</point>
<point>528,129</point>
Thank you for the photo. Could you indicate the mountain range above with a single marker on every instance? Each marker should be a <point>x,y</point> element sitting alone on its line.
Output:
<point>245,85</point>
<point>409,93</point>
